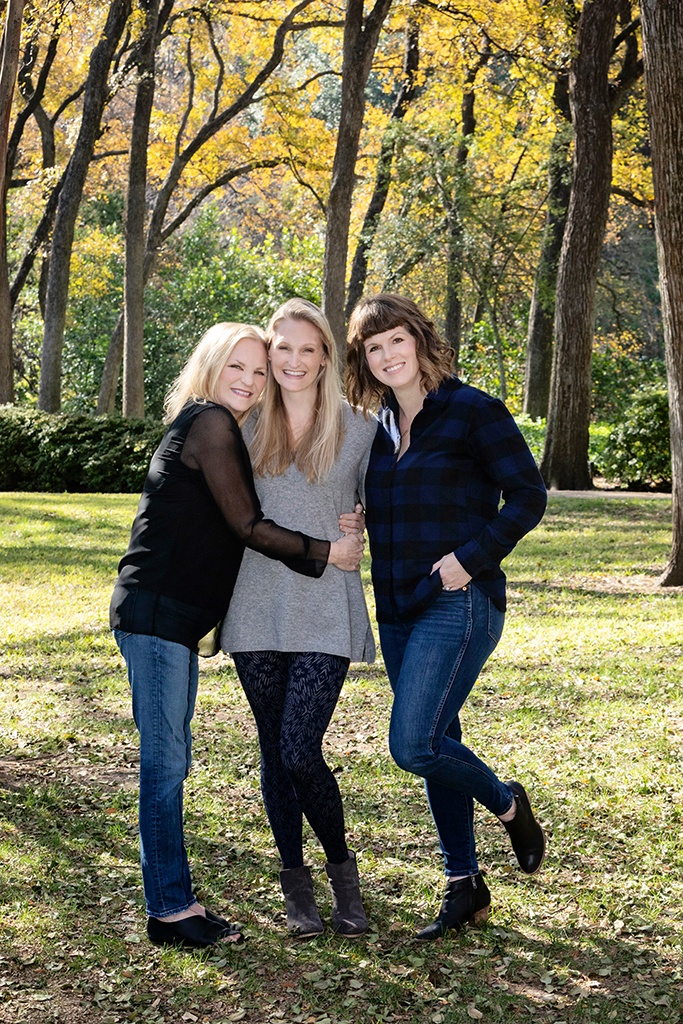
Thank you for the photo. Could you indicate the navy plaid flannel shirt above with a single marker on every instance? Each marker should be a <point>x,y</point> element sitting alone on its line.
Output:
<point>443,495</point>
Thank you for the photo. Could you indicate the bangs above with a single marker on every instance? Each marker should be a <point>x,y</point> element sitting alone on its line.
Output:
<point>377,316</point>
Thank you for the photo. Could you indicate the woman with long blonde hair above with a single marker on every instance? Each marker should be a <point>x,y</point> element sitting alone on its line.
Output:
<point>197,513</point>
<point>292,639</point>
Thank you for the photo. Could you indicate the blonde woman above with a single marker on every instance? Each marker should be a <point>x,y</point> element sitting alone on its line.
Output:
<point>291,638</point>
<point>197,513</point>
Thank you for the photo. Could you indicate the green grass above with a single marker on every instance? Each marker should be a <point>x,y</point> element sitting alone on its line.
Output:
<point>582,701</point>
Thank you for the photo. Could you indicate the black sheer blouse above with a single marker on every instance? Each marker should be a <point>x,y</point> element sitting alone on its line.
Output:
<point>197,513</point>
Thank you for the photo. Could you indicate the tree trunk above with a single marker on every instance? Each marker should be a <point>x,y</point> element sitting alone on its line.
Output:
<point>360,41</point>
<point>9,56</point>
<point>136,218</point>
<point>565,458</point>
<point>406,92</point>
<point>106,400</point>
<point>662,22</point>
<point>454,215</point>
<point>539,347</point>
<point>95,98</point>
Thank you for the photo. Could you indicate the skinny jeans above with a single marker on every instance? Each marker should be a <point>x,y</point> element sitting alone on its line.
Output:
<point>293,696</point>
<point>432,663</point>
<point>163,678</point>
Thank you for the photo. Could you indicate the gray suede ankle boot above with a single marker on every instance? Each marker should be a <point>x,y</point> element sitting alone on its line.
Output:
<point>303,919</point>
<point>348,915</point>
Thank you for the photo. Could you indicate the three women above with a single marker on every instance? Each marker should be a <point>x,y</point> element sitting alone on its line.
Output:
<point>442,457</point>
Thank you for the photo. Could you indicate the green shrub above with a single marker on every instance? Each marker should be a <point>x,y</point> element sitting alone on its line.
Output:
<point>534,435</point>
<point>616,376</point>
<point>637,452</point>
<point>43,452</point>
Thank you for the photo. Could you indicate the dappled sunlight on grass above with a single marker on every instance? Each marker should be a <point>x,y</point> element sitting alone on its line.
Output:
<point>582,701</point>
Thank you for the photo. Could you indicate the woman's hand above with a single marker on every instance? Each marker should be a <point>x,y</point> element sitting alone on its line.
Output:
<point>353,522</point>
<point>347,552</point>
<point>453,576</point>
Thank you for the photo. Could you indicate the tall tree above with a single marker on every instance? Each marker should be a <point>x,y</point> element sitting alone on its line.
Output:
<point>136,210</point>
<point>33,94</point>
<point>539,345</point>
<point>9,58</point>
<point>94,99</point>
<point>662,22</point>
<point>565,457</point>
<point>361,35</point>
<point>185,150</point>
<point>404,95</point>
<point>453,200</point>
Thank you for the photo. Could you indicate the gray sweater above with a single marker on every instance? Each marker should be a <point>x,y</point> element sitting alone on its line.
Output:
<point>275,609</point>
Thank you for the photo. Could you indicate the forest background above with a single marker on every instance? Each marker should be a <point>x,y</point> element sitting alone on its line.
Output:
<point>170,164</point>
<point>167,164</point>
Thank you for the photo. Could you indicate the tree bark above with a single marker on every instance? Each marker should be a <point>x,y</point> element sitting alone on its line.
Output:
<point>454,214</point>
<point>136,217</point>
<point>95,98</point>
<point>539,346</point>
<point>360,41</point>
<point>565,457</point>
<point>405,95</point>
<point>9,56</point>
<point>662,22</point>
<point>106,401</point>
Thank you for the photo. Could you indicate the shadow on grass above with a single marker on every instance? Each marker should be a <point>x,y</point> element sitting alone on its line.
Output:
<point>77,860</point>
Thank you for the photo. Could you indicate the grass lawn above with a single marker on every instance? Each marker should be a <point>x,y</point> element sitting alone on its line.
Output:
<point>582,702</point>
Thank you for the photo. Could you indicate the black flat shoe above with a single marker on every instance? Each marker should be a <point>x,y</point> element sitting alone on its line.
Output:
<point>466,901</point>
<point>193,932</point>
<point>526,835</point>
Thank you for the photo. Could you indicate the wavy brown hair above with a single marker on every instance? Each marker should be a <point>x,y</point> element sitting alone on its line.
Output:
<point>376,314</point>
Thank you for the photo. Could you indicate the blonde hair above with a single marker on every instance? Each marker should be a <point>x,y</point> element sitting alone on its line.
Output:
<point>198,378</point>
<point>272,450</point>
<point>380,313</point>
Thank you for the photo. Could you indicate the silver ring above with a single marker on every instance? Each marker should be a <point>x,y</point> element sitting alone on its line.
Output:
<point>448,588</point>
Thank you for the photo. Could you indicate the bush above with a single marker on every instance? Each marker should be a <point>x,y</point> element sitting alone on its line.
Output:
<point>534,435</point>
<point>43,452</point>
<point>637,452</point>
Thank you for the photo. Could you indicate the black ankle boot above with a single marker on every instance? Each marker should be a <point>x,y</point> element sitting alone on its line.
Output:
<point>303,919</point>
<point>348,913</point>
<point>526,835</point>
<point>193,932</point>
<point>466,901</point>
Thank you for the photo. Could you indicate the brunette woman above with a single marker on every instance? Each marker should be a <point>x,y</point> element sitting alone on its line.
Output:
<point>443,457</point>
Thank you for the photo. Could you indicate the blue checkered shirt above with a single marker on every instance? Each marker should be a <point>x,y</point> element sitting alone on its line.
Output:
<point>444,494</point>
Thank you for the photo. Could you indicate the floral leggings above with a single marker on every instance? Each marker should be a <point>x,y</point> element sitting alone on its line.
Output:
<point>293,697</point>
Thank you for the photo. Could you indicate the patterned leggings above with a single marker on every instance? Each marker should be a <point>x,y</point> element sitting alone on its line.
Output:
<point>293,697</point>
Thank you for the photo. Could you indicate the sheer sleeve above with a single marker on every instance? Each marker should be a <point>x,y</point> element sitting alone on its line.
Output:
<point>214,445</point>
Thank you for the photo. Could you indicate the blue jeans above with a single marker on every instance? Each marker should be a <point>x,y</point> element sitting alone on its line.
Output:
<point>163,678</point>
<point>433,663</point>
